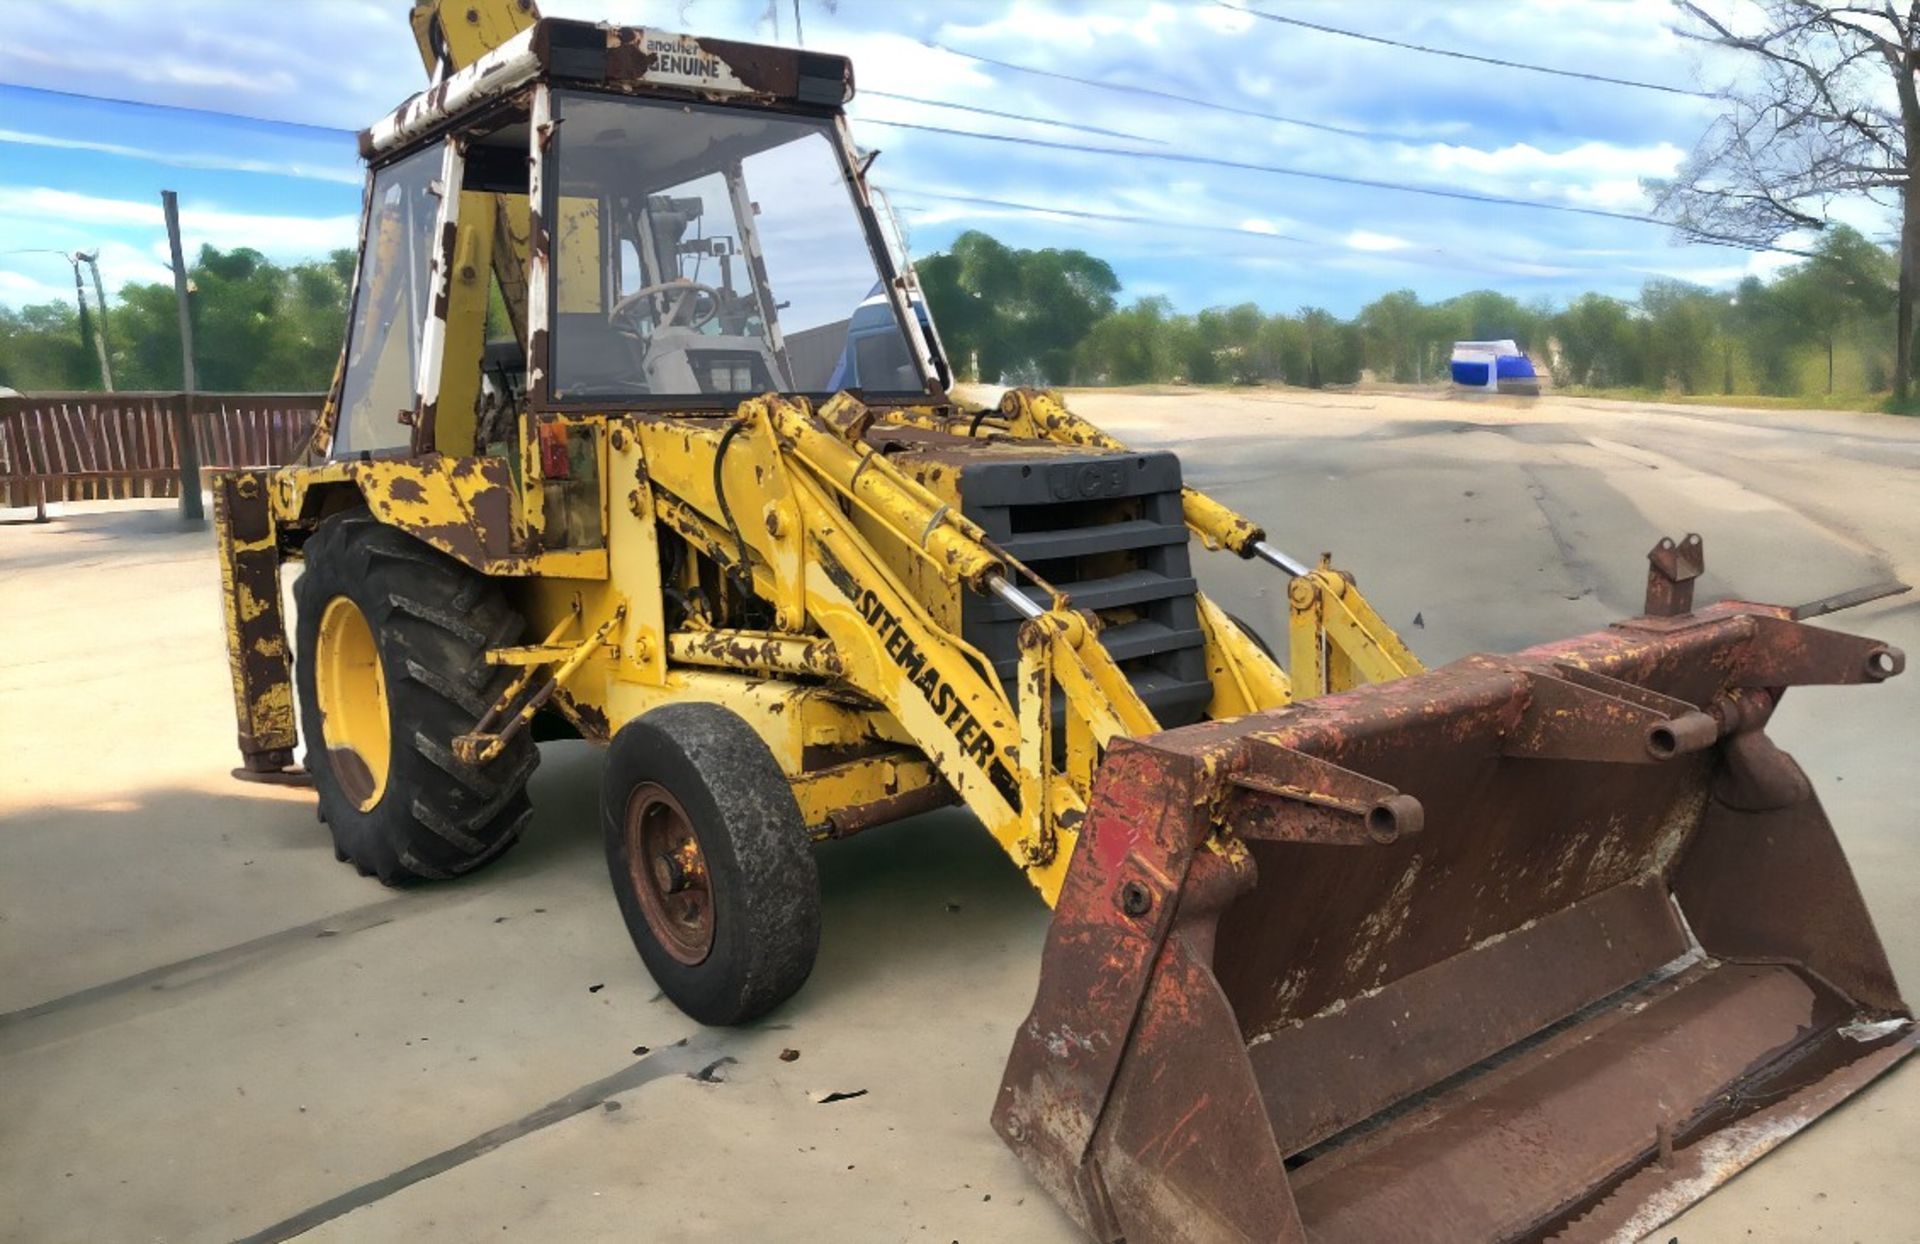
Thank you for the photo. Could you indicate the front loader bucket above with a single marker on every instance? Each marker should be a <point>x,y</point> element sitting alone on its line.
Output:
<point>1543,946</point>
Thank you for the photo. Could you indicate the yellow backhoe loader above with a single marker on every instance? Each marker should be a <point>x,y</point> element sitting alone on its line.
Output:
<point>1532,945</point>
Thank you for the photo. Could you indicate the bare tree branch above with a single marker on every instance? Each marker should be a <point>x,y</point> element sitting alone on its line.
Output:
<point>1832,110</point>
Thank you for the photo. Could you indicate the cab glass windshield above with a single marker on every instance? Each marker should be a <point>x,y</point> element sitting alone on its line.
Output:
<point>703,252</point>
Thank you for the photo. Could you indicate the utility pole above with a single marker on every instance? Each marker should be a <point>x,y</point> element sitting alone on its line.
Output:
<point>80,303</point>
<point>190,506</point>
<point>92,260</point>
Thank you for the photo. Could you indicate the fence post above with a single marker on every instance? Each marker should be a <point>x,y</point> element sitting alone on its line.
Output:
<point>191,508</point>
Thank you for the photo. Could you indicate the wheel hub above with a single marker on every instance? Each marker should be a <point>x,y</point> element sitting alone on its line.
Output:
<point>669,874</point>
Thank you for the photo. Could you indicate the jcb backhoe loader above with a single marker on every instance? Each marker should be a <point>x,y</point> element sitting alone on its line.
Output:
<point>1533,944</point>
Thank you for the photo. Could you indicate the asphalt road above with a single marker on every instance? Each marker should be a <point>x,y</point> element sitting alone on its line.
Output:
<point>210,1030</point>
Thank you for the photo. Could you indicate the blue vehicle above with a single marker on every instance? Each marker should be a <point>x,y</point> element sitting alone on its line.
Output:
<point>876,355</point>
<point>1495,366</point>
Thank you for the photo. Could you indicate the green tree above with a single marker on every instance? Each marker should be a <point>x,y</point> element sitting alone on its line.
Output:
<point>41,348</point>
<point>1599,343</point>
<point>1393,329</point>
<point>1679,326</point>
<point>1004,312</point>
<point>1332,347</point>
<point>1848,284</point>
<point>1489,315</point>
<point>1131,346</point>
<point>257,326</point>
<point>1765,333</point>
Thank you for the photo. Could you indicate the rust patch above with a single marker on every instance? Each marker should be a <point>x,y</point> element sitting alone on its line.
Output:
<point>407,491</point>
<point>248,543</point>
<point>351,772</point>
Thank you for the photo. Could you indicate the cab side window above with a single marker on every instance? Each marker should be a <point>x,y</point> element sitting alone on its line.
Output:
<point>390,307</point>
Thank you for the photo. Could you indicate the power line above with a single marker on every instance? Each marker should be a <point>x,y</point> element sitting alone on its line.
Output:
<point>1079,214</point>
<point>203,112</point>
<point>1457,55</point>
<point>1470,196</point>
<point>1152,93</point>
<point>330,129</point>
<point>1414,254</point>
<point>1011,116</point>
<point>1280,170</point>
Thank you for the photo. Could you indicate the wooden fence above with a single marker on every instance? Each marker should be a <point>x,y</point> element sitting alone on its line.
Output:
<point>97,446</point>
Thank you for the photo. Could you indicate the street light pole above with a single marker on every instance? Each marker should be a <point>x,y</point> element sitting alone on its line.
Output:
<point>92,260</point>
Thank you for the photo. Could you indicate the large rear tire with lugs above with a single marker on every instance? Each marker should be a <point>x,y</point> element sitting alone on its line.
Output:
<point>710,861</point>
<point>390,642</point>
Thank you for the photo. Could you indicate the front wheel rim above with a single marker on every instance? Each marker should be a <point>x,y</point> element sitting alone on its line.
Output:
<point>351,689</point>
<point>667,871</point>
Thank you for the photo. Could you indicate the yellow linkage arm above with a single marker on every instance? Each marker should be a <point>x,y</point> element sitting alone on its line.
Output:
<point>1000,761</point>
<point>1335,639</point>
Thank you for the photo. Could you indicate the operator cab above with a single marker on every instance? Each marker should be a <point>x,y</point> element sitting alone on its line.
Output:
<point>704,251</point>
<point>670,223</point>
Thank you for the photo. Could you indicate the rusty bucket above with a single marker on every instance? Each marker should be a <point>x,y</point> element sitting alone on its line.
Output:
<point>1541,946</point>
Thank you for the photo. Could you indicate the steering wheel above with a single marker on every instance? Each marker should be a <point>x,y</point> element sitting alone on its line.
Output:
<point>705,305</point>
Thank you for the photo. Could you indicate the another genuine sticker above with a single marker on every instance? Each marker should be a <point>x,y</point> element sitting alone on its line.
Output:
<point>679,60</point>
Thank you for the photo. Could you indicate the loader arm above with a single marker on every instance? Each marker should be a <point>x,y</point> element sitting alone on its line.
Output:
<point>1336,641</point>
<point>809,473</point>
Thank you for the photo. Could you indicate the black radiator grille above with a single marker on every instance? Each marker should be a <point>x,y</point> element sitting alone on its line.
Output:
<point>1107,530</point>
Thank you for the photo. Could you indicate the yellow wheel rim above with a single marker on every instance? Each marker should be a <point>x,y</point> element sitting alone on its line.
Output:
<point>352,690</point>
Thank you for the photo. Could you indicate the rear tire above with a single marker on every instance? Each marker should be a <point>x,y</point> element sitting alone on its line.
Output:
<point>710,861</point>
<point>402,807</point>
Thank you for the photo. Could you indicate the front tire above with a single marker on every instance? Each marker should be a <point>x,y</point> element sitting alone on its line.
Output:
<point>710,861</point>
<point>390,643</point>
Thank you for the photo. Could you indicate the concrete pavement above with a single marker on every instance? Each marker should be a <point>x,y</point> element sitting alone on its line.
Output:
<point>211,1030</point>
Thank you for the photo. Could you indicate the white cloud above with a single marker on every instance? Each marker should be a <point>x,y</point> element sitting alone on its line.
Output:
<point>47,204</point>
<point>1615,196</point>
<point>91,62</point>
<point>17,289</point>
<point>1365,240</point>
<point>887,61</point>
<point>347,174</point>
<point>1523,159</point>
<point>273,234</point>
<point>1256,85</point>
<point>130,234</point>
<point>290,236</point>
<point>1038,26</point>
<point>1223,20</point>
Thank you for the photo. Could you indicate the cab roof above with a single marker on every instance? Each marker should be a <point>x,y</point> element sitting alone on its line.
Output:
<point>634,60</point>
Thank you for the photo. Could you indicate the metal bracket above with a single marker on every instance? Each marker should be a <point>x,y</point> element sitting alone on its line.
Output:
<point>1784,653</point>
<point>489,737</point>
<point>1671,570</point>
<point>1281,795</point>
<point>1575,714</point>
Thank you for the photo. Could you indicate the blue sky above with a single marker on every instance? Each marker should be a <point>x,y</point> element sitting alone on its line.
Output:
<point>81,173</point>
